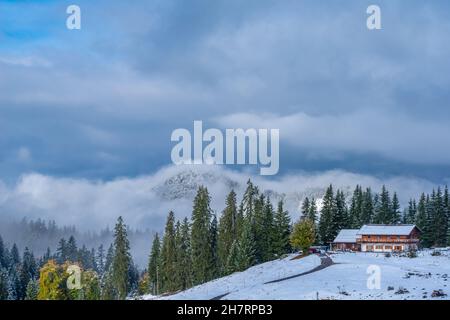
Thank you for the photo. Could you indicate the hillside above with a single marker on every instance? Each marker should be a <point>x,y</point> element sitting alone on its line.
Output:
<point>401,278</point>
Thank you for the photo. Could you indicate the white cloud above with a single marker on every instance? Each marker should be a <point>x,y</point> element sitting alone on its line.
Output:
<point>145,201</point>
<point>389,134</point>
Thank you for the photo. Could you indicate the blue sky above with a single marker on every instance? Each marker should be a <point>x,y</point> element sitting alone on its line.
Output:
<point>101,102</point>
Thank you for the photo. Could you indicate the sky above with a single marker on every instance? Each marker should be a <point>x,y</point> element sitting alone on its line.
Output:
<point>100,103</point>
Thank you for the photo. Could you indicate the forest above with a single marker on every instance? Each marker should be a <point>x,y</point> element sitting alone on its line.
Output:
<point>204,246</point>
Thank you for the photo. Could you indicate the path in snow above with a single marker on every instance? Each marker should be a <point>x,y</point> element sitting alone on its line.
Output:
<point>325,262</point>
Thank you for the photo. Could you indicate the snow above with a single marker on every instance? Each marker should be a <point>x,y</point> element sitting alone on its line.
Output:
<point>347,236</point>
<point>346,279</point>
<point>253,277</point>
<point>381,230</point>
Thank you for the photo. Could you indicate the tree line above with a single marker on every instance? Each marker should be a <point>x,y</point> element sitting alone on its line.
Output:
<point>195,250</point>
<point>431,213</point>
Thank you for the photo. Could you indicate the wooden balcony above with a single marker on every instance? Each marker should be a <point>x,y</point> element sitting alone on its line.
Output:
<point>386,240</point>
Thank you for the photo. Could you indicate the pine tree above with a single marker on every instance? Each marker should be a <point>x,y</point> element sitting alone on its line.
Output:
<point>356,209</point>
<point>440,220</point>
<point>326,218</point>
<point>367,207</point>
<point>427,237</point>
<point>213,238</point>
<point>305,209</point>
<point>395,215</point>
<point>340,214</point>
<point>168,256</point>
<point>201,238</point>
<point>184,256</point>
<point>257,226</point>
<point>72,250</point>
<point>228,229</point>
<point>421,215</point>
<point>269,226</point>
<point>61,251</point>
<point>32,290</point>
<point>312,215</point>
<point>154,266</point>
<point>100,261</point>
<point>245,255</point>
<point>27,272</point>
<point>383,208</point>
<point>122,260</point>
<point>282,231</point>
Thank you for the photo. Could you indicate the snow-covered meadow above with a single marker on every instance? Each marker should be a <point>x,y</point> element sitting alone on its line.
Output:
<point>400,278</point>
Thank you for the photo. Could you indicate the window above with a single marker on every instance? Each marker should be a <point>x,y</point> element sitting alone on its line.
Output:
<point>388,247</point>
<point>379,247</point>
<point>398,248</point>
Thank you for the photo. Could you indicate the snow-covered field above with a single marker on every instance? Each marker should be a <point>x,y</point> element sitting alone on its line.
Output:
<point>252,278</point>
<point>346,279</point>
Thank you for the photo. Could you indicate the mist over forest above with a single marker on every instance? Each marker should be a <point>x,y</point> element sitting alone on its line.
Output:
<point>39,235</point>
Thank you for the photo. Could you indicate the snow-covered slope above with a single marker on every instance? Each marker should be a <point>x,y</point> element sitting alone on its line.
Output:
<point>250,279</point>
<point>346,279</point>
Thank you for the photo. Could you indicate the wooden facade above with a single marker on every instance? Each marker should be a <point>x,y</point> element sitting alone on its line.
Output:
<point>389,242</point>
<point>379,238</point>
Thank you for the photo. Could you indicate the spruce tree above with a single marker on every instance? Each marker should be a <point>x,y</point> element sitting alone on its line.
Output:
<point>326,218</point>
<point>32,290</point>
<point>367,207</point>
<point>72,250</point>
<point>168,256</point>
<point>340,214</point>
<point>383,209</point>
<point>62,252</point>
<point>305,208</point>
<point>282,231</point>
<point>215,266</point>
<point>184,256</point>
<point>268,226</point>
<point>395,215</point>
<point>356,208</point>
<point>100,261</point>
<point>246,253</point>
<point>201,238</point>
<point>228,229</point>
<point>154,266</point>
<point>440,220</point>
<point>122,260</point>
<point>312,215</point>
<point>421,215</point>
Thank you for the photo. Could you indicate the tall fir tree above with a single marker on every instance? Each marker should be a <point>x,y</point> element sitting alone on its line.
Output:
<point>367,207</point>
<point>305,208</point>
<point>282,231</point>
<point>154,266</point>
<point>356,208</point>
<point>201,238</point>
<point>228,230</point>
<point>326,217</point>
<point>340,219</point>
<point>213,239</point>
<point>395,216</point>
<point>168,256</point>
<point>184,256</point>
<point>383,209</point>
<point>122,260</point>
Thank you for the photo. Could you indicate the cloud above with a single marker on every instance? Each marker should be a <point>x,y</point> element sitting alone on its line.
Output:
<point>392,135</point>
<point>101,103</point>
<point>145,201</point>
